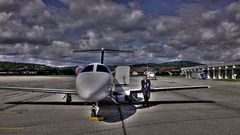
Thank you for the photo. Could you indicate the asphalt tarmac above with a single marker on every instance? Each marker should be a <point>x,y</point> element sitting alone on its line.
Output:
<point>213,111</point>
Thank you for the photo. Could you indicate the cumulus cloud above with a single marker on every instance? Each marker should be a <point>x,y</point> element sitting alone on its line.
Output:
<point>32,29</point>
<point>8,5</point>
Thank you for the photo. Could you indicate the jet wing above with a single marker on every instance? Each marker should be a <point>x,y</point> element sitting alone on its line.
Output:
<point>171,88</point>
<point>42,90</point>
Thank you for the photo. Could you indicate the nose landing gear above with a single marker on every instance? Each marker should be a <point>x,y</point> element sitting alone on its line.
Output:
<point>94,113</point>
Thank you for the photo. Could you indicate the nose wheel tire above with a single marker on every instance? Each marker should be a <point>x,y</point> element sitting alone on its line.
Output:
<point>93,111</point>
<point>68,98</point>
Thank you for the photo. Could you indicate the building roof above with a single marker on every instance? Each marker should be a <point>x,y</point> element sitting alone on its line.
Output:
<point>213,65</point>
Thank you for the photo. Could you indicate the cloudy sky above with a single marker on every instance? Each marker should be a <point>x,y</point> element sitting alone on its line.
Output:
<point>47,31</point>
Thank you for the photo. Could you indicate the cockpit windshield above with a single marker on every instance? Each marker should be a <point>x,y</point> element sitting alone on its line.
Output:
<point>101,68</point>
<point>88,68</point>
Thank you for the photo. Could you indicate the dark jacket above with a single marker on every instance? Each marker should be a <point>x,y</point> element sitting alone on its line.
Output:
<point>146,87</point>
<point>146,83</point>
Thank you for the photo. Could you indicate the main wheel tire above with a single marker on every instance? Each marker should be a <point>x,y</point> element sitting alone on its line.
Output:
<point>128,99</point>
<point>68,99</point>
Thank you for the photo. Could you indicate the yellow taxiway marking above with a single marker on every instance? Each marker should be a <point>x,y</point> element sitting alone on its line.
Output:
<point>98,118</point>
<point>11,128</point>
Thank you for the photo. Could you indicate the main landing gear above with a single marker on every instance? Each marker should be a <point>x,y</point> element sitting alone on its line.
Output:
<point>68,98</point>
<point>132,97</point>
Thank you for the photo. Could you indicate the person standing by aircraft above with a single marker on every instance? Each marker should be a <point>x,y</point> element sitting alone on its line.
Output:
<point>146,83</point>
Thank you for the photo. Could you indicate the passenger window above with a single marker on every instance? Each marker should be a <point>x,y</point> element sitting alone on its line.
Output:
<point>87,69</point>
<point>101,68</point>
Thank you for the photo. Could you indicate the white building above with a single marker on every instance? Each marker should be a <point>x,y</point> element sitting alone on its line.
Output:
<point>214,71</point>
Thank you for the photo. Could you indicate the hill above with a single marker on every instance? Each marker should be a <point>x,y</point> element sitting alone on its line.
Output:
<point>178,64</point>
<point>13,68</point>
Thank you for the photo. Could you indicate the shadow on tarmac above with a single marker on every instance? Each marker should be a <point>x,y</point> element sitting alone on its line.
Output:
<point>152,103</point>
<point>112,112</point>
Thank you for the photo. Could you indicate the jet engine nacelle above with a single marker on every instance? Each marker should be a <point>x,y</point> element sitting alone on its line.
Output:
<point>122,74</point>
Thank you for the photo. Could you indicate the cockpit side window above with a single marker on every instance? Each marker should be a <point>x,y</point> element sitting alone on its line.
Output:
<point>87,69</point>
<point>101,68</point>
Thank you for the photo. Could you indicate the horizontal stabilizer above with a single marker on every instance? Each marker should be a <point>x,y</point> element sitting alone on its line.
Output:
<point>102,49</point>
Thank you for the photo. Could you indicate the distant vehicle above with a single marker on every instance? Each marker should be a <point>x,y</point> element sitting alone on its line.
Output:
<point>203,76</point>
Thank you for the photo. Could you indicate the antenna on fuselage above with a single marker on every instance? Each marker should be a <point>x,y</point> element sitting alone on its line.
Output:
<point>102,50</point>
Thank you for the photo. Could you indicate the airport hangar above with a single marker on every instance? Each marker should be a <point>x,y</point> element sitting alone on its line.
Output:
<point>229,70</point>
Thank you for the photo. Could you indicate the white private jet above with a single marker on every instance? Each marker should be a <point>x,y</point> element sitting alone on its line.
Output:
<point>96,82</point>
<point>151,75</point>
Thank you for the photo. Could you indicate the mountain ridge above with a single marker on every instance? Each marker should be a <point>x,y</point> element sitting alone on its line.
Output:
<point>41,69</point>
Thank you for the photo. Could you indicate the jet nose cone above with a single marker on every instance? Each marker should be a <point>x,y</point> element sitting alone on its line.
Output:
<point>86,93</point>
<point>85,97</point>
<point>92,86</point>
